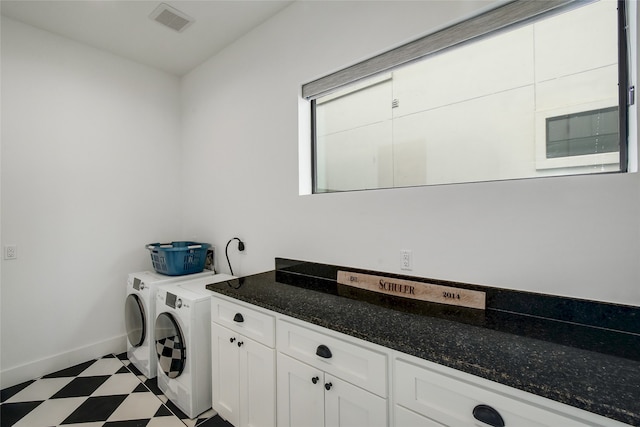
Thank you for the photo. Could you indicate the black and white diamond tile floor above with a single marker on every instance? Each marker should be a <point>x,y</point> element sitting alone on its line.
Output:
<point>106,392</point>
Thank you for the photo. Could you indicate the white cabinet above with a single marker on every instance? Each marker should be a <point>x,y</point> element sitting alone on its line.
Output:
<point>324,381</point>
<point>243,364</point>
<point>430,395</point>
<point>406,418</point>
<point>328,379</point>
<point>300,399</point>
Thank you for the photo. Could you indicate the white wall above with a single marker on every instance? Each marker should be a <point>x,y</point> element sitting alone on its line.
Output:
<point>95,149</point>
<point>576,236</point>
<point>90,171</point>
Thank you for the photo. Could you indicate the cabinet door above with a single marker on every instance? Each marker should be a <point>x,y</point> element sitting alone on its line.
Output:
<point>257,384</point>
<point>225,373</point>
<point>349,406</point>
<point>300,394</point>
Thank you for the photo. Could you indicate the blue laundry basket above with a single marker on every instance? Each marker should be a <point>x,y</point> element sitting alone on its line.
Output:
<point>178,258</point>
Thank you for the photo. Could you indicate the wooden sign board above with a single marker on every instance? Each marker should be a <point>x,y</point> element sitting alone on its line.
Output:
<point>414,290</point>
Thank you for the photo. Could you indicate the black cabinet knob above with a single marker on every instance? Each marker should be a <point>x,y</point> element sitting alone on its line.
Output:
<point>315,380</point>
<point>240,343</point>
<point>323,351</point>
<point>238,318</point>
<point>488,415</point>
<point>328,386</point>
<point>232,339</point>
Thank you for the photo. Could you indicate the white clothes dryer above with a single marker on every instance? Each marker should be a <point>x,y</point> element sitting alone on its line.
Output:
<point>140,315</point>
<point>183,343</point>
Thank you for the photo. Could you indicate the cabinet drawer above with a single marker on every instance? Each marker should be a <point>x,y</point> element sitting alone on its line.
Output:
<point>251,323</point>
<point>363,367</point>
<point>451,399</point>
<point>406,418</point>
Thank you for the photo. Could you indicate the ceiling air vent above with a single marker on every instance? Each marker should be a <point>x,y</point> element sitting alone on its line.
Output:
<point>171,17</point>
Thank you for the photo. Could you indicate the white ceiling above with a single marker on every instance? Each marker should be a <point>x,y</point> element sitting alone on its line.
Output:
<point>124,27</point>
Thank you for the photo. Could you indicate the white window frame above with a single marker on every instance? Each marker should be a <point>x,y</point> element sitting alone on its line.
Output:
<point>367,68</point>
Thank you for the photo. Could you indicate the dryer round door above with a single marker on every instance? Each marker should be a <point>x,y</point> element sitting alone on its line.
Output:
<point>134,320</point>
<point>170,345</point>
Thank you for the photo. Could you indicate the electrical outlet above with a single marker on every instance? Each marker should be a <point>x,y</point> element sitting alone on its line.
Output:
<point>406,259</point>
<point>10,252</point>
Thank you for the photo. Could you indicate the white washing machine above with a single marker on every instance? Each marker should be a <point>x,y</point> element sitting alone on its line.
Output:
<point>183,343</point>
<point>140,315</point>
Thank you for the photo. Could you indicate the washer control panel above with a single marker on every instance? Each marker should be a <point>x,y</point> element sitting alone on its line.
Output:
<point>173,301</point>
<point>137,284</point>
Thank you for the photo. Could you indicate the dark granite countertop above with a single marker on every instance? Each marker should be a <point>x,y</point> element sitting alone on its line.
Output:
<point>604,384</point>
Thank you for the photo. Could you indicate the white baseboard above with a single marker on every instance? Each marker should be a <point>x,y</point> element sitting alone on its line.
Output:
<point>32,370</point>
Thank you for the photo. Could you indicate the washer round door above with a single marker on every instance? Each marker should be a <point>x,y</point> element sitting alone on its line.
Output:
<point>134,320</point>
<point>170,345</point>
